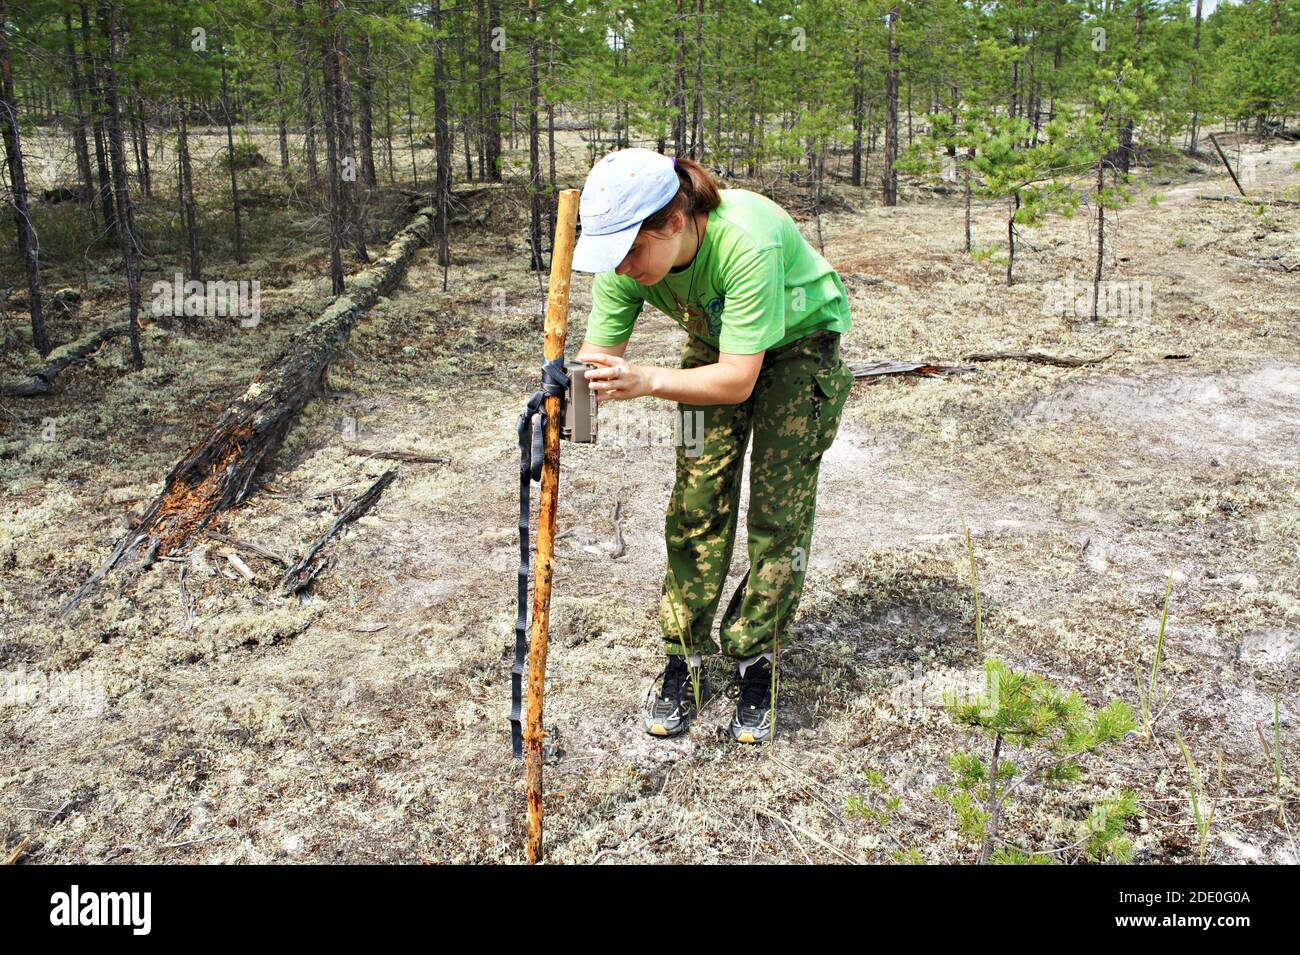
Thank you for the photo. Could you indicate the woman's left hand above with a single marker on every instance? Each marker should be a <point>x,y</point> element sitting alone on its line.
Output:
<point>617,378</point>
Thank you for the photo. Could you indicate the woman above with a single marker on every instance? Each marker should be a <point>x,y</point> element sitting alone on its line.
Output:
<point>764,314</point>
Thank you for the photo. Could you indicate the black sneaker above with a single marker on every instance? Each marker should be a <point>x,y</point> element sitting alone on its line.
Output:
<point>753,720</point>
<point>672,706</point>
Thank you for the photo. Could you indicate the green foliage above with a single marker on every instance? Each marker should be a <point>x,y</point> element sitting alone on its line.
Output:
<point>1053,729</point>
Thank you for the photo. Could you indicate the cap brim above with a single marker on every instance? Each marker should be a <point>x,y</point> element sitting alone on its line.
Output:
<point>602,253</point>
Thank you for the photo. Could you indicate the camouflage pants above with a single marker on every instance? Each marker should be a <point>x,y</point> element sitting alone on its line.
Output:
<point>793,414</point>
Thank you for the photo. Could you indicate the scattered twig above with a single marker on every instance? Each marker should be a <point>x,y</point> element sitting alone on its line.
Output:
<point>187,842</point>
<point>17,851</point>
<point>252,548</point>
<point>811,835</point>
<point>239,565</point>
<point>408,457</point>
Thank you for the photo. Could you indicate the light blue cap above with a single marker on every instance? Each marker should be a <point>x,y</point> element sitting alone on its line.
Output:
<point>621,191</point>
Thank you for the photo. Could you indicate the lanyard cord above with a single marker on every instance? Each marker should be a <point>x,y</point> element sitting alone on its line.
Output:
<point>691,291</point>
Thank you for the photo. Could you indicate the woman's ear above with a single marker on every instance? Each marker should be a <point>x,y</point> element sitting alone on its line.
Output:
<point>679,220</point>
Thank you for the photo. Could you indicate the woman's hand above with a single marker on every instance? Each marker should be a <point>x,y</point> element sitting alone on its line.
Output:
<point>617,378</point>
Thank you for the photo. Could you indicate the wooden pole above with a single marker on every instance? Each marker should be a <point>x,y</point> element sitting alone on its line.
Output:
<point>1227,165</point>
<point>557,322</point>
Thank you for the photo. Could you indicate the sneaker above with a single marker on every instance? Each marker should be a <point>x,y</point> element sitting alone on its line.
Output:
<point>753,720</point>
<point>672,706</point>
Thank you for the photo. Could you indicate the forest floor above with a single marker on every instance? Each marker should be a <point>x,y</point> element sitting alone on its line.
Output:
<point>200,717</point>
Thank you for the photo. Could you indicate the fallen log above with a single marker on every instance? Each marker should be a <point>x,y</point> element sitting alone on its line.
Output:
<point>305,570</point>
<point>41,381</point>
<point>1251,200</point>
<point>1064,361</point>
<point>217,473</point>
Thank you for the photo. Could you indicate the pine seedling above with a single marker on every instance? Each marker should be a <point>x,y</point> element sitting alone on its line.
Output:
<point>1025,710</point>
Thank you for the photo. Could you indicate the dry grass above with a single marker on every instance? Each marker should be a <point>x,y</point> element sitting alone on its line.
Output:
<point>267,729</point>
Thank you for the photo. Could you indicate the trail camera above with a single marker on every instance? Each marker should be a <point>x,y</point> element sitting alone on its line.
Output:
<point>579,405</point>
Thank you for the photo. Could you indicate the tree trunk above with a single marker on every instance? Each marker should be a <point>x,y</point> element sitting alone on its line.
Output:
<point>1196,60</point>
<point>101,152</point>
<point>1101,237</point>
<point>107,15</point>
<point>230,146</point>
<point>534,164</point>
<point>186,182</point>
<point>442,140</point>
<point>891,114</point>
<point>697,110</point>
<point>1011,236</point>
<point>281,122</point>
<point>41,381</point>
<point>79,141</point>
<point>365,105</point>
<point>970,155</point>
<point>142,145</point>
<point>308,97</point>
<point>27,246</point>
<point>332,166</point>
<point>492,133</point>
<point>679,81</point>
<point>859,96</point>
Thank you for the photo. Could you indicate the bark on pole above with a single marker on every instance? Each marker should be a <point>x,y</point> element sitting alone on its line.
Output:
<point>557,321</point>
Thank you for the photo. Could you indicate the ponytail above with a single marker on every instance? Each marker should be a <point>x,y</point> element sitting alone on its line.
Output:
<point>698,192</point>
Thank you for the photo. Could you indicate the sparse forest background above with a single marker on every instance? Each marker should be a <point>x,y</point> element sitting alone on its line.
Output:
<point>145,125</point>
<point>272,285</point>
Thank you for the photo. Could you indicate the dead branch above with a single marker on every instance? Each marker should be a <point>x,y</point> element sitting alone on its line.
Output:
<point>409,457</point>
<point>1063,361</point>
<point>302,573</point>
<point>872,369</point>
<point>1250,200</point>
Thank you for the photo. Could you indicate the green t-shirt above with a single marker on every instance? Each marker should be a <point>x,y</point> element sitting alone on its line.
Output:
<point>758,285</point>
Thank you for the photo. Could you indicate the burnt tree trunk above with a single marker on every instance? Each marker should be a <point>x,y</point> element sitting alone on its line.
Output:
<point>41,381</point>
<point>217,473</point>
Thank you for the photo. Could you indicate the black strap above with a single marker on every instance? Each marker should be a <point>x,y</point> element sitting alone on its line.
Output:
<point>555,381</point>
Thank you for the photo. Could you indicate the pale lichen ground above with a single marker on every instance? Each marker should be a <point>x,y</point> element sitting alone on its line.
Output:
<point>367,723</point>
